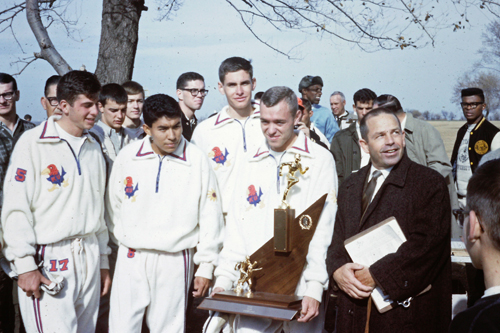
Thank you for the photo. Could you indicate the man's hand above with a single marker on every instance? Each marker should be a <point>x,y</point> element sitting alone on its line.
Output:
<point>105,281</point>
<point>304,128</point>
<point>365,277</point>
<point>216,290</point>
<point>30,282</point>
<point>201,286</point>
<point>346,280</point>
<point>310,309</point>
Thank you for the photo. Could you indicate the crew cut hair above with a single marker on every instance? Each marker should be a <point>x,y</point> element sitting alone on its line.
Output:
<point>473,92</point>
<point>363,127</point>
<point>234,64</point>
<point>275,95</point>
<point>133,88</point>
<point>364,95</point>
<point>183,80</point>
<point>341,94</point>
<point>113,92</point>
<point>76,83</point>
<point>159,106</point>
<point>389,102</point>
<point>483,197</point>
<point>7,78</point>
<point>53,80</point>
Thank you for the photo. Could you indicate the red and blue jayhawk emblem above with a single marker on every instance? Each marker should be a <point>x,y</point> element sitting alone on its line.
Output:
<point>55,177</point>
<point>254,198</point>
<point>218,157</point>
<point>129,188</point>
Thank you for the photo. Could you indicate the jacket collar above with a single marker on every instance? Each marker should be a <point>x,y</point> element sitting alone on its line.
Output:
<point>146,151</point>
<point>302,146</point>
<point>50,135</point>
<point>223,118</point>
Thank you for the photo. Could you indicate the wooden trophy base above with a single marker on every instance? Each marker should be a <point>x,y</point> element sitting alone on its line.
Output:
<point>257,304</point>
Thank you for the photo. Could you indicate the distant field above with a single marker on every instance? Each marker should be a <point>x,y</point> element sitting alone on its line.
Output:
<point>448,130</point>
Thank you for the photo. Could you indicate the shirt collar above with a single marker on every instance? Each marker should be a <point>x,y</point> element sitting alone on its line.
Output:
<point>50,134</point>
<point>492,291</point>
<point>301,146</point>
<point>223,118</point>
<point>146,151</point>
<point>15,126</point>
<point>385,172</point>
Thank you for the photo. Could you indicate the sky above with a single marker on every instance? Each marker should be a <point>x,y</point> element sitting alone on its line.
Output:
<point>201,34</point>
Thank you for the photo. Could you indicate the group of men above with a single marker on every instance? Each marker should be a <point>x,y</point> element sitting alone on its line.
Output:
<point>155,210</point>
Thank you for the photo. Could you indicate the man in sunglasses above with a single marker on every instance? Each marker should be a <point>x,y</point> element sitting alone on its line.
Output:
<point>11,128</point>
<point>191,93</point>
<point>49,100</point>
<point>474,139</point>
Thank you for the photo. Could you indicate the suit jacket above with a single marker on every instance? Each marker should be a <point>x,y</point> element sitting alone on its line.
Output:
<point>423,212</point>
<point>346,151</point>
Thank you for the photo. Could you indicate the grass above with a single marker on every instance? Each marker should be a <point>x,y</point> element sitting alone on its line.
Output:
<point>449,129</point>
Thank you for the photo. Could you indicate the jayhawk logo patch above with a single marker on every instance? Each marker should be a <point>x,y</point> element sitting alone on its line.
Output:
<point>56,178</point>
<point>130,190</point>
<point>253,197</point>
<point>218,157</point>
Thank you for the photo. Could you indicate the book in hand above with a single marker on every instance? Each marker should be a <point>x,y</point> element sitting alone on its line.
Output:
<point>373,244</point>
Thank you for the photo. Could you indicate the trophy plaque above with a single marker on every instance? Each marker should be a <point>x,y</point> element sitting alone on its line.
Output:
<point>273,271</point>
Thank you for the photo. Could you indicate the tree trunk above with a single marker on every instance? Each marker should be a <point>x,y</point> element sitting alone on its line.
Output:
<point>47,49</point>
<point>119,38</point>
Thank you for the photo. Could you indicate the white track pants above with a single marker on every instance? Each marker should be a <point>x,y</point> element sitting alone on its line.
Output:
<point>74,309</point>
<point>155,282</point>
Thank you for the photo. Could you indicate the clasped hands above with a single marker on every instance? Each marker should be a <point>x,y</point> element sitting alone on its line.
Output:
<point>355,280</point>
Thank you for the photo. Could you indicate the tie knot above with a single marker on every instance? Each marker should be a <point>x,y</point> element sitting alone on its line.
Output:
<point>376,174</point>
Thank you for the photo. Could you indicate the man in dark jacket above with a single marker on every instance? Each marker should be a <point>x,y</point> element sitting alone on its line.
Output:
<point>393,185</point>
<point>11,128</point>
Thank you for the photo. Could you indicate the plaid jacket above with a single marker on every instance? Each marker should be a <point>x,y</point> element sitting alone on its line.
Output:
<point>7,143</point>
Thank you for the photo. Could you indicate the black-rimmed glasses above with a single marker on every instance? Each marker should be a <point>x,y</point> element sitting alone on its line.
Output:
<point>195,92</point>
<point>471,105</point>
<point>53,101</point>
<point>8,95</point>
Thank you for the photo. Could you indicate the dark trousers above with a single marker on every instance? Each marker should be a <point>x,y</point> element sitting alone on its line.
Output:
<point>7,312</point>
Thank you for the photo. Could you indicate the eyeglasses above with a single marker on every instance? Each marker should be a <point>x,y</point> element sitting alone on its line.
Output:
<point>8,95</point>
<point>317,90</point>
<point>471,105</point>
<point>462,216</point>
<point>195,92</point>
<point>53,101</point>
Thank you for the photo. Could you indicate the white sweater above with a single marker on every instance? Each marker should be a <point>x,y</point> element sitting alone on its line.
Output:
<point>52,194</point>
<point>250,222</point>
<point>225,141</point>
<point>166,203</point>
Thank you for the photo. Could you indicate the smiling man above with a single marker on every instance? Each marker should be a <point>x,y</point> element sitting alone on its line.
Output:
<point>227,136</point>
<point>393,185</point>
<point>191,93</point>
<point>49,100</point>
<point>52,232</point>
<point>250,222</point>
<point>166,183</point>
<point>477,137</point>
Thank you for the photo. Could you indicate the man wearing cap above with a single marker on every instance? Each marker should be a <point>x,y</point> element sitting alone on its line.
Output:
<point>311,88</point>
<point>474,139</point>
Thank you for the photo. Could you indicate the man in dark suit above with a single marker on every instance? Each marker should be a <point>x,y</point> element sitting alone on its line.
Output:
<point>400,188</point>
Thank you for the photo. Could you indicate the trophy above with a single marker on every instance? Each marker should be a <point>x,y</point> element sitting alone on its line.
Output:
<point>273,271</point>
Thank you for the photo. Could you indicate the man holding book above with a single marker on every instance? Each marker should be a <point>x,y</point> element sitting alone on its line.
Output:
<point>391,185</point>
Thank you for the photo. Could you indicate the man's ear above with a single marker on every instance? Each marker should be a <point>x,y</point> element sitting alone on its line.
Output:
<point>298,116</point>
<point>100,107</point>
<point>146,129</point>
<point>64,107</point>
<point>254,84</point>
<point>18,95</point>
<point>44,101</point>
<point>179,94</point>
<point>364,145</point>
<point>221,88</point>
<point>475,228</point>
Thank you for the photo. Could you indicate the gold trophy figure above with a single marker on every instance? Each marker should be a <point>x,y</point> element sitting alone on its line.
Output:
<point>293,167</point>
<point>246,269</point>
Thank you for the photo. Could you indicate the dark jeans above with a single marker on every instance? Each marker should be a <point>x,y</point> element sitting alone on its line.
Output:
<point>7,312</point>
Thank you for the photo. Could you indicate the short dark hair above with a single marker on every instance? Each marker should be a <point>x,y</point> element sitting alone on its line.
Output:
<point>133,88</point>
<point>258,95</point>
<point>274,95</point>
<point>473,92</point>
<point>389,102</point>
<point>159,106</point>
<point>113,92</point>
<point>7,78</point>
<point>234,64</point>
<point>76,83</point>
<point>183,80</point>
<point>364,95</point>
<point>27,117</point>
<point>483,197</point>
<point>53,80</point>
<point>363,127</point>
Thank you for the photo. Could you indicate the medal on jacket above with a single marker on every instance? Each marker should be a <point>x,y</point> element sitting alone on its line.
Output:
<point>481,147</point>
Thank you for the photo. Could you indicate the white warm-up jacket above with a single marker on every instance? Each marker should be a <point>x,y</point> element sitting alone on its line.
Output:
<point>166,203</point>
<point>52,193</point>
<point>259,190</point>
<point>225,141</point>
